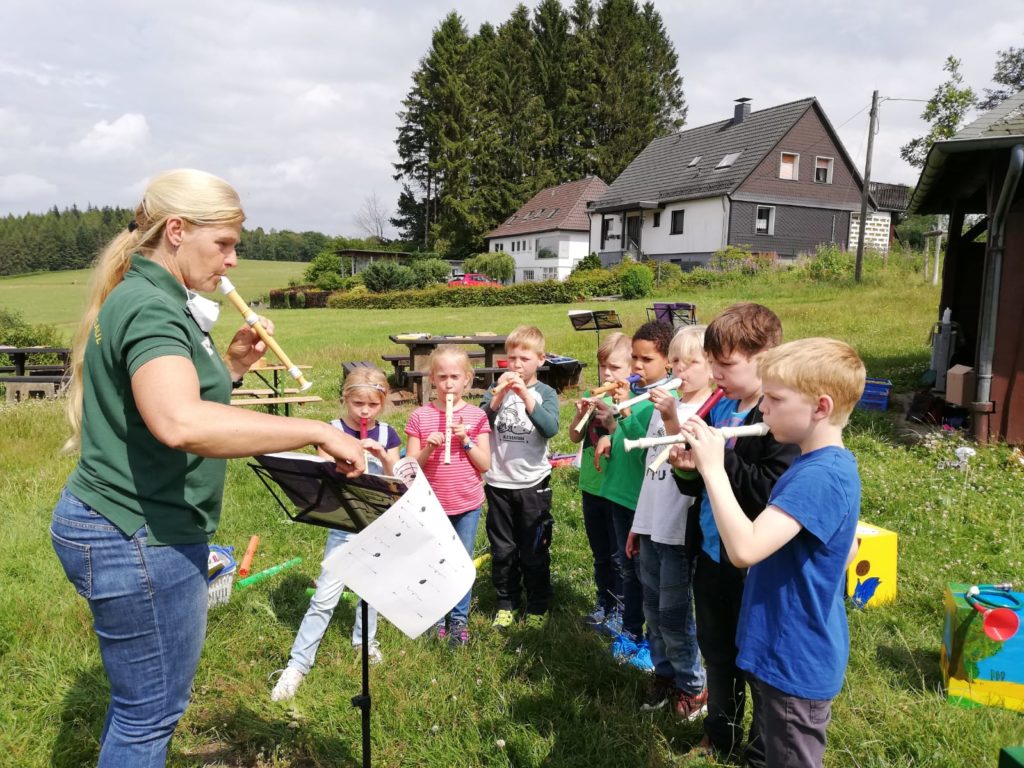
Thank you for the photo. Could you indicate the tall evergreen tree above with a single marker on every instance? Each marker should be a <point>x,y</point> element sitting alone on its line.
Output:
<point>410,217</point>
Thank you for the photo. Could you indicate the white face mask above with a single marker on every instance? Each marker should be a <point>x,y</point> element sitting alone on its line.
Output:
<point>203,311</point>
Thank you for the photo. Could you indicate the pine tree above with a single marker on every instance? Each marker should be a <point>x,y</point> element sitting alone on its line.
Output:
<point>409,218</point>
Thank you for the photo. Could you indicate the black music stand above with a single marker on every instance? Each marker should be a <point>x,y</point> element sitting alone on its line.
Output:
<point>594,320</point>
<point>327,498</point>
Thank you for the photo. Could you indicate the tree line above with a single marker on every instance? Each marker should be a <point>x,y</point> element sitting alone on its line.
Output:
<point>491,118</point>
<point>71,238</point>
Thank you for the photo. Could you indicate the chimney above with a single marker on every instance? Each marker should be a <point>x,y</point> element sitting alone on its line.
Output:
<point>741,111</point>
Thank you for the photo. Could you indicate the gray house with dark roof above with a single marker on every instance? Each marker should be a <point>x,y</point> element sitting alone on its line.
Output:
<point>777,180</point>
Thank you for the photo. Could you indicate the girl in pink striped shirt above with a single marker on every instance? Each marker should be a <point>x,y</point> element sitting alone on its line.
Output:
<point>458,485</point>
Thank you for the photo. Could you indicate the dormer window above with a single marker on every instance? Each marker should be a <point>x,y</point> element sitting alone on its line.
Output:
<point>694,161</point>
<point>728,160</point>
<point>789,166</point>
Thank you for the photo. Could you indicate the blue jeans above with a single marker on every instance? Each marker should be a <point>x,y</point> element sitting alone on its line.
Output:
<point>597,519</point>
<point>149,613</point>
<point>668,607</point>
<point>321,608</point>
<point>632,592</point>
<point>465,528</point>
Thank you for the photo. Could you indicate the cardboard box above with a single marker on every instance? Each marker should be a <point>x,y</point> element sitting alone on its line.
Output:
<point>960,385</point>
<point>871,577</point>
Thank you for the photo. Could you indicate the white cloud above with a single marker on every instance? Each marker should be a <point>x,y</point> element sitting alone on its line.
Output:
<point>124,135</point>
<point>20,190</point>
<point>321,95</point>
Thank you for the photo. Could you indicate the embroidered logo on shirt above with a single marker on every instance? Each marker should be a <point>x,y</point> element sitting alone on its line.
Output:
<point>97,333</point>
<point>208,347</point>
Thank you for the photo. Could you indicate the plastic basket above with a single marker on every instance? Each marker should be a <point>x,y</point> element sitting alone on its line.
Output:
<point>876,395</point>
<point>220,589</point>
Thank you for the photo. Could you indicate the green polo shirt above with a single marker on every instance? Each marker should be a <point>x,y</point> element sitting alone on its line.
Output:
<point>124,473</point>
<point>624,473</point>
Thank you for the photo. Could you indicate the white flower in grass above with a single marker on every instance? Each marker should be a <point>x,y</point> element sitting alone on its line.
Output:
<point>499,743</point>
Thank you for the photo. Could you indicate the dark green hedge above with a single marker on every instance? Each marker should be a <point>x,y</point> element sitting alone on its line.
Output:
<point>547,292</point>
<point>299,297</point>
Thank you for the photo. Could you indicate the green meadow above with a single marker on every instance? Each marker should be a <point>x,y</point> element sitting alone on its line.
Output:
<point>548,698</point>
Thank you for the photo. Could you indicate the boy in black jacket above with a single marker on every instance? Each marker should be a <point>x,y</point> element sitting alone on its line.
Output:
<point>734,341</point>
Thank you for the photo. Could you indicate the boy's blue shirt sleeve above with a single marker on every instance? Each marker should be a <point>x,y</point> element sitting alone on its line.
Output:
<point>815,499</point>
<point>545,414</point>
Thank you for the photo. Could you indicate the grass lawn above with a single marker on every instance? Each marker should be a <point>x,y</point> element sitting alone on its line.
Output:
<point>549,698</point>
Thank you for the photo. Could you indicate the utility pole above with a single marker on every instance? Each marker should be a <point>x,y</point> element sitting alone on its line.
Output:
<point>859,268</point>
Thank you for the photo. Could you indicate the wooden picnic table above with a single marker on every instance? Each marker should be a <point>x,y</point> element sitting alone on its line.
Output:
<point>19,356</point>
<point>275,393</point>
<point>422,345</point>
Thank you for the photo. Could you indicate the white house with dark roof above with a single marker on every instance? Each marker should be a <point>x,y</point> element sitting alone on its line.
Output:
<point>777,180</point>
<point>551,232</point>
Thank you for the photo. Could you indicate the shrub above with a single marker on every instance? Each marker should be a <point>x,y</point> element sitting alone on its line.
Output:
<point>15,332</point>
<point>741,259</point>
<point>546,292</point>
<point>430,272</point>
<point>830,264</point>
<point>594,282</point>
<point>384,276</point>
<point>323,264</point>
<point>329,281</point>
<point>497,265</point>
<point>665,272</point>
<point>588,262</point>
<point>636,282</point>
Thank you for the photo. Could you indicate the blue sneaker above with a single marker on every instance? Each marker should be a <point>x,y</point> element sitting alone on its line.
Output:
<point>612,623</point>
<point>624,647</point>
<point>642,658</point>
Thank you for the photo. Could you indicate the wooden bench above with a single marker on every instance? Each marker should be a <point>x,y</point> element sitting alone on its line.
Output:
<point>263,392</point>
<point>351,365</point>
<point>271,403</point>
<point>32,387</point>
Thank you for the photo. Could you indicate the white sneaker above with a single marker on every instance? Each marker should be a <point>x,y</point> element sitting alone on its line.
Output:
<point>287,684</point>
<point>373,652</point>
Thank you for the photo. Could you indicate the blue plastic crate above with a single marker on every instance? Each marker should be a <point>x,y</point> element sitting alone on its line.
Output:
<point>876,395</point>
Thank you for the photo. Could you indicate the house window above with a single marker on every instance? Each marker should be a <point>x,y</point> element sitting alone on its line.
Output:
<point>528,275</point>
<point>499,247</point>
<point>605,226</point>
<point>677,223</point>
<point>789,166</point>
<point>522,245</point>
<point>823,170</point>
<point>765,223</point>
<point>657,219</point>
<point>550,273</point>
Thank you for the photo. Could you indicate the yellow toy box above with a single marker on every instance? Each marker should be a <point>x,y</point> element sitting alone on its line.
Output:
<point>871,577</point>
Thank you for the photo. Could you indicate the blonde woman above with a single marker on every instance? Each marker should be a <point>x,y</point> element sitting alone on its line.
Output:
<point>149,411</point>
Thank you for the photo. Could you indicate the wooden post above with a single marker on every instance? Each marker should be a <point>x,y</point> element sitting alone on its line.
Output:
<point>938,253</point>
<point>859,267</point>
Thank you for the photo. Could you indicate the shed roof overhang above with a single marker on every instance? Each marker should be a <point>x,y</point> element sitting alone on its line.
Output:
<point>956,171</point>
<point>633,205</point>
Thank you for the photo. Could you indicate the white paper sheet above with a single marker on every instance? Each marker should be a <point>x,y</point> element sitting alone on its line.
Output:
<point>408,564</point>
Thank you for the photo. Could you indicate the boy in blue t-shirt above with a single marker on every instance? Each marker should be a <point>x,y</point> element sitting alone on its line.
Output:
<point>793,638</point>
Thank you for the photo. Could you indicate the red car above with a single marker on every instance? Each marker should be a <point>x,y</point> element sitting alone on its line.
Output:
<point>473,278</point>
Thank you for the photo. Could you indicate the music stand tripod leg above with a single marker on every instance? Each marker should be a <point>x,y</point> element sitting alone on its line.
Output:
<point>362,701</point>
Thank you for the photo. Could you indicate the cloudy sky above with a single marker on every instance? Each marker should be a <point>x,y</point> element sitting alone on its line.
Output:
<point>294,101</point>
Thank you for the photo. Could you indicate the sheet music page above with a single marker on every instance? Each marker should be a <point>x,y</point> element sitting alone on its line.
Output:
<point>408,564</point>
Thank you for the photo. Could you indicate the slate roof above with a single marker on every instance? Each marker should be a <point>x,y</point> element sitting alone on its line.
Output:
<point>663,170</point>
<point>1007,119</point>
<point>890,197</point>
<point>563,207</point>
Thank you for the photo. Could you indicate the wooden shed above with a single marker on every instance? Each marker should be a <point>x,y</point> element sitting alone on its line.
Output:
<point>978,172</point>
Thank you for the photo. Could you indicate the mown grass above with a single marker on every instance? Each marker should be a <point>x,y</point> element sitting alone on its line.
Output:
<point>553,698</point>
<point>58,298</point>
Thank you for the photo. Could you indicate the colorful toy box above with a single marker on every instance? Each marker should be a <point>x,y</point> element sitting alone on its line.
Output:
<point>977,670</point>
<point>871,577</point>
